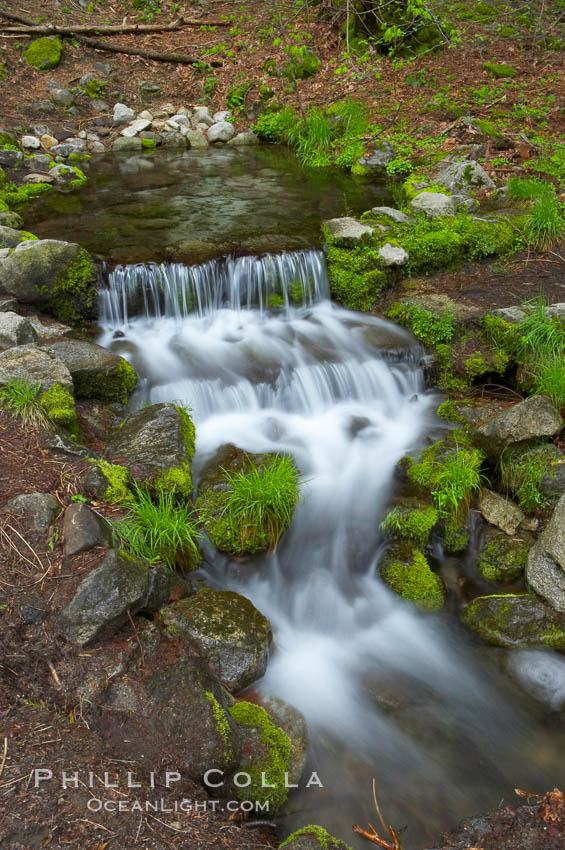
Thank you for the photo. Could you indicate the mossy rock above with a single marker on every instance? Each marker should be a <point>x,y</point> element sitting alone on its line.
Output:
<point>502,558</point>
<point>266,750</point>
<point>96,372</point>
<point>408,573</point>
<point>59,406</point>
<point>534,475</point>
<point>499,71</point>
<point>515,620</point>
<point>411,521</point>
<point>313,837</point>
<point>355,270</point>
<point>108,482</point>
<point>44,53</point>
<point>304,63</point>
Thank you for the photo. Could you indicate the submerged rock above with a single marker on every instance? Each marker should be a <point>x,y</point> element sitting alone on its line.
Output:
<point>96,372</point>
<point>227,631</point>
<point>515,620</point>
<point>546,561</point>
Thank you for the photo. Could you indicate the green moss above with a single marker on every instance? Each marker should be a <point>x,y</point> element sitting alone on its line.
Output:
<point>187,430</point>
<point>499,71</point>
<point>74,294</point>
<point>8,140</point>
<point>79,157</point>
<point>503,559</point>
<point>44,53</point>
<point>112,385</point>
<point>118,477</point>
<point>323,837</point>
<point>176,479</point>
<point>448,410</point>
<point>414,581</point>
<point>515,619</point>
<point>426,326</point>
<point>522,471</point>
<point>221,722</point>
<point>59,405</point>
<point>274,763</point>
<point>476,366</point>
<point>356,275</point>
<point>17,196</point>
<point>148,144</point>
<point>80,178</point>
<point>410,523</point>
<point>456,535</point>
<point>304,63</point>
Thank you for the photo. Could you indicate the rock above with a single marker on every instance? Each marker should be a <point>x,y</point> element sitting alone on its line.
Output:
<point>57,276</point>
<point>63,174</point>
<point>180,120</point>
<point>433,204</point>
<point>546,562</point>
<point>244,139</point>
<point>201,115</point>
<point>376,162</point>
<point>167,109</point>
<point>149,90</point>
<point>103,68</point>
<point>514,315</point>
<point>31,142</point>
<point>515,620</point>
<point>221,132</point>
<point>11,219</point>
<point>175,140</point>
<point>136,127</point>
<point>500,512</point>
<point>96,147</point>
<point>156,444</point>
<point>227,631</point>
<point>15,330</point>
<point>104,598</point>
<point>145,114</point>
<point>462,178</point>
<point>96,372</point>
<point>9,158</point>
<point>293,724</point>
<point>8,305</point>
<point>313,838</point>
<point>196,139</point>
<point>39,178</point>
<point>393,255</point>
<point>503,558</point>
<point>122,114</point>
<point>35,365</point>
<point>49,331</point>
<point>9,237</point>
<point>127,144</point>
<point>39,162</point>
<point>393,214</point>
<point>180,710</point>
<point>531,419</point>
<point>63,97</point>
<point>44,53</point>
<point>347,232</point>
<point>41,508</point>
<point>63,149</point>
<point>224,115</point>
<point>83,529</point>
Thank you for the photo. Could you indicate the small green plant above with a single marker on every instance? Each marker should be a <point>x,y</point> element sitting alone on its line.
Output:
<point>426,326</point>
<point>546,223</point>
<point>21,399</point>
<point>161,529</point>
<point>550,380</point>
<point>78,497</point>
<point>540,335</point>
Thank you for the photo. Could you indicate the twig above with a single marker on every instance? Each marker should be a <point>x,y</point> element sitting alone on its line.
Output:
<point>4,757</point>
<point>137,638</point>
<point>82,29</point>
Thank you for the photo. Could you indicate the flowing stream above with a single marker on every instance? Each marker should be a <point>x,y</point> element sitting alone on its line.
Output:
<point>264,359</point>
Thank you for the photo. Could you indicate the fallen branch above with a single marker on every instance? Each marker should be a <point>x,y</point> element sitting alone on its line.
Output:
<point>177,58</point>
<point>90,29</point>
<point>374,836</point>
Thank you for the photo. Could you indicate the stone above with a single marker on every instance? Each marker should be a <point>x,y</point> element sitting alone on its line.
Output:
<point>63,149</point>
<point>11,219</point>
<point>48,331</point>
<point>464,178</point>
<point>62,97</point>
<point>39,178</point>
<point>180,120</point>
<point>122,114</point>
<point>44,107</point>
<point>433,204</point>
<point>393,255</point>
<point>175,140</point>
<point>96,372</point>
<point>182,110</point>
<point>503,558</point>
<point>156,444</point>
<point>532,419</point>
<point>63,174</point>
<point>35,365</point>
<point>136,127</point>
<point>9,237</point>
<point>313,837</point>
<point>392,213</point>
<point>376,162</point>
<point>83,529</point>
<point>244,139</point>
<point>154,137</point>
<point>546,562</point>
<point>41,508</point>
<point>8,305</point>
<point>10,159</point>
<point>96,147</point>
<point>31,142</point>
<point>178,709</point>
<point>347,232</point>
<point>226,631</point>
<point>145,114</point>
<point>127,144</point>
<point>515,620</point>
<point>39,162</point>
<point>197,140</point>
<point>44,53</point>
<point>15,330</point>
<point>149,90</point>
<point>500,512</point>
<point>103,600</point>
<point>103,68</point>
<point>59,277</point>
<point>98,104</point>
<point>221,132</point>
<point>201,115</point>
<point>293,724</point>
<point>514,315</point>
<point>224,115</point>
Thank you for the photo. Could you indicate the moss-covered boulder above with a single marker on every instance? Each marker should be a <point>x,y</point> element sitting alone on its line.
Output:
<point>502,558</point>
<point>58,277</point>
<point>407,572</point>
<point>355,268</point>
<point>59,407</point>
<point>36,366</point>
<point>226,630</point>
<point>108,482</point>
<point>246,501</point>
<point>293,724</point>
<point>96,372</point>
<point>412,521</point>
<point>535,475</point>
<point>266,750</point>
<point>9,237</point>
<point>44,53</point>
<point>313,837</point>
<point>156,446</point>
<point>515,620</point>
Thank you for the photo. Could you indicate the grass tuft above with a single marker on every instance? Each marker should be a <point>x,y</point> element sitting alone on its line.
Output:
<point>21,399</point>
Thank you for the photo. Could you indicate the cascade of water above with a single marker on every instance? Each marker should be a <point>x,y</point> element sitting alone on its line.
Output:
<point>386,690</point>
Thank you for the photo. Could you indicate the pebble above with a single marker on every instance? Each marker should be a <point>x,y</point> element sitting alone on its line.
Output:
<point>31,142</point>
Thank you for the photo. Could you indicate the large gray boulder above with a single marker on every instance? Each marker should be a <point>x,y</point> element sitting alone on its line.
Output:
<point>56,276</point>
<point>105,598</point>
<point>96,372</point>
<point>83,529</point>
<point>15,330</point>
<point>222,131</point>
<point>123,143</point>
<point>393,214</point>
<point>546,562</point>
<point>34,365</point>
<point>197,139</point>
<point>433,204</point>
<point>347,232</point>
<point>156,445</point>
<point>464,178</point>
<point>227,631</point>
<point>515,620</point>
<point>528,420</point>
<point>244,139</point>
<point>9,237</point>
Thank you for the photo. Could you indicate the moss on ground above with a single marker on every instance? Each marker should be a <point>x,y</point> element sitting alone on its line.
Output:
<point>44,53</point>
<point>322,836</point>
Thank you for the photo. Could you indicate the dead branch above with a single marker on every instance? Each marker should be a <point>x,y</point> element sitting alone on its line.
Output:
<point>155,56</point>
<point>373,836</point>
<point>90,29</point>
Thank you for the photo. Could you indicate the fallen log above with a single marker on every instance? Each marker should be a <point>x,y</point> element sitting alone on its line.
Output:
<point>80,29</point>
<point>155,56</point>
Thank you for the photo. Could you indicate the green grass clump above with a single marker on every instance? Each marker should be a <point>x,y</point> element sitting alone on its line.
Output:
<point>322,836</point>
<point>550,381</point>
<point>521,473</point>
<point>23,400</point>
<point>546,223</point>
<point>451,473</point>
<point>426,326</point>
<point>160,529</point>
<point>540,351</point>
<point>275,127</point>
<point>411,524</point>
